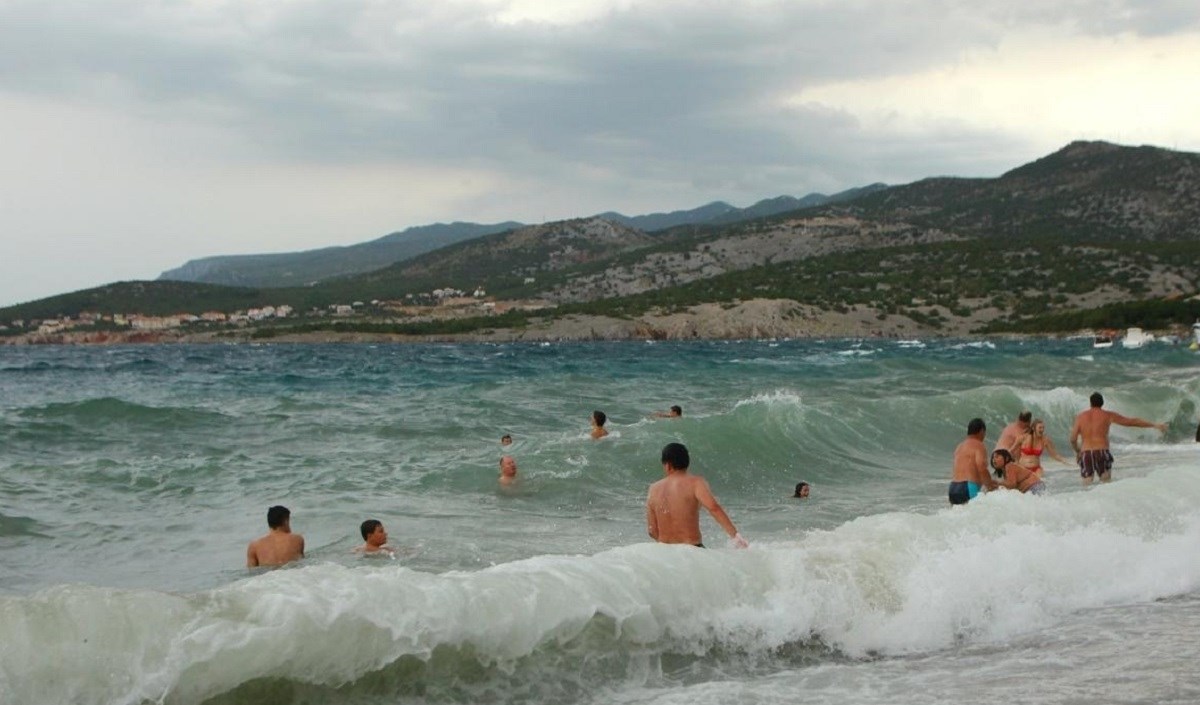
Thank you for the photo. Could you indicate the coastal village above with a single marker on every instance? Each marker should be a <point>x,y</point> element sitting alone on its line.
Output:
<point>88,327</point>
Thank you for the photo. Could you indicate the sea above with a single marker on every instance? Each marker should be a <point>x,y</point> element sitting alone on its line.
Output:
<point>133,477</point>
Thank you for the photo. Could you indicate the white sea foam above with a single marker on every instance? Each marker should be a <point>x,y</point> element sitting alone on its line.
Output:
<point>896,583</point>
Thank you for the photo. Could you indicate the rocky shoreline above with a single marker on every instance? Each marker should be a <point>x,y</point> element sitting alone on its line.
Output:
<point>754,319</point>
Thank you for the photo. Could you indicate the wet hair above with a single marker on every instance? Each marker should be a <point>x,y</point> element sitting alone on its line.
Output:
<point>1033,424</point>
<point>599,417</point>
<point>277,516</point>
<point>800,486</point>
<point>1097,400</point>
<point>1025,416</point>
<point>677,410</point>
<point>975,426</point>
<point>676,455</point>
<point>1003,453</point>
<point>506,437</point>
<point>368,527</point>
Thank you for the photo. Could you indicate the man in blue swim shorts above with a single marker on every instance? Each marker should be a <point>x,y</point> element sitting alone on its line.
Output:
<point>1089,438</point>
<point>970,466</point>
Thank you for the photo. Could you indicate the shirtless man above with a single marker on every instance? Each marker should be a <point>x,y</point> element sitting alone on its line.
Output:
<point>970,466</point>
<point>1013,431</point>
<point>1091,427</point>
<point>673,503</point>
<point>375,538</point>
<point>673,413</point>
<point>280,545</point>
<point>506,440</point>
<point>508,470</point>
<point>598,421</point>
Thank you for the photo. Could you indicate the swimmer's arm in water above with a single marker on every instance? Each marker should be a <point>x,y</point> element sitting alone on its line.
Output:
<point>651,518</point>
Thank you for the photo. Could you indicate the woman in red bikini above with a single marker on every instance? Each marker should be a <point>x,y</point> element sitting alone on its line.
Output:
<point>1029,447</point>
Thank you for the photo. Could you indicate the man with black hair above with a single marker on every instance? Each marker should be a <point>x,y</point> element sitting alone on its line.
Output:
<point>279,545</point>
<point>374,538</point>
<point>1089,438</point>
<point>673,503</point>
<point>970,465</point>
<point>598,420</point>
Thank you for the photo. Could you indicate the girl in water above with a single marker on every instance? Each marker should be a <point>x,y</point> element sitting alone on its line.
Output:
<point>1015,476</point>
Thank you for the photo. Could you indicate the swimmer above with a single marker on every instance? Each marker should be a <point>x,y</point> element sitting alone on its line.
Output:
<point>508,470</point>
<point>598,420</point>
<point>801,490</point>
<point>279,545</point>
<point>673,413</point>
<point>506,440</point>
<point>1015,476</point>
<point>1089,438</point>
<point>375,539</point>
<point>673,503</point>
<point>970,466</point>
<point>1032,444</point>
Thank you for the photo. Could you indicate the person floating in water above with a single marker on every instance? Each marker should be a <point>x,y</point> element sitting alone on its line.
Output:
<point>673,413</point>
<point>1089,438</point>
<point>506,440</point>
<point>598,420</point>
<point>801,490</point>
<point>375,539</point>
<point>673,503</point>
<point>970,466</point>
<point>1015,476</point>
<point>508,470</point>
<point>279,545</point>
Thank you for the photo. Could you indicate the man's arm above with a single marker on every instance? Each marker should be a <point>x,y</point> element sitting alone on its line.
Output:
<point>1076,432</point>
<point>705,496</point>
<point>651,519</point>
<point>981,469</point>
<point>251,556</point>
<point>301,546</point>
<point>1136,422</point>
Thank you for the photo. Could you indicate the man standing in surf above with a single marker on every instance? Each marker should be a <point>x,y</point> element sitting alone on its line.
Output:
<point>673,503</point>
<point>1091,426</point>
<point>970,465</point>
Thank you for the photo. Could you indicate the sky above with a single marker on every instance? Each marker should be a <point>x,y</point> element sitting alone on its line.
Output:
<point>138,134</point>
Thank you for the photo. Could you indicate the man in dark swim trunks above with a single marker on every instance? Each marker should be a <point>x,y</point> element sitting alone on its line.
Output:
<point>673,503</point>
<point>1091,427</point>
<point>970,466</point>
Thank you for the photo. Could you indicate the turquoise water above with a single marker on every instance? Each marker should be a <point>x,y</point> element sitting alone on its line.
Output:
<point>131,479</point>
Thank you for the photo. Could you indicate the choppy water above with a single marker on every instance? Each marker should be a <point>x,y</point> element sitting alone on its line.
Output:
<point>131,479</point>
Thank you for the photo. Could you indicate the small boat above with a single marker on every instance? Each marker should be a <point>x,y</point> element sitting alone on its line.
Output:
<point>1104,339</point>
<point>1195,336</point>
<point>1136,338</point>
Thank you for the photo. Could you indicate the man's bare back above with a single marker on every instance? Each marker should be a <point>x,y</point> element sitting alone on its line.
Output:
<point>280,545</point>
<point>970,463</point>
<point>1089,437</point>
<point>276,548</point>
<point>673,503</point>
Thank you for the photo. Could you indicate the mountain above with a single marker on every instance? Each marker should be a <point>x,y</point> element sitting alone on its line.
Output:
<point>304,268</point>
<point>1084,190</point>
<point>1089,225</point>
<point>720,212</point>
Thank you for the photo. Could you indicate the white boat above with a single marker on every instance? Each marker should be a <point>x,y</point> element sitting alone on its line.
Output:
<point>1136,338</point>
<point>1102,341</point>
<point>1196,332</point>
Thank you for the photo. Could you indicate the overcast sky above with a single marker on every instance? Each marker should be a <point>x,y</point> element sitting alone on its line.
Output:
<point>138,134</point>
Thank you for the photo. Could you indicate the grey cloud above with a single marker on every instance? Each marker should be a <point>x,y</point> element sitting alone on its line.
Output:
<point>652,92</point>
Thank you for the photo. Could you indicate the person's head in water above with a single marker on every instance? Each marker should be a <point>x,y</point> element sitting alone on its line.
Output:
<point>675,456</point>
<point>278,517</point>
<point>976,426</point>
<point>801,490</point>
<point>506,440</point>
<point>373,532</point>
<point>676,410</point>
<point>599,418</point>
<point>1000,460</point>
<point>1096,400</point>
